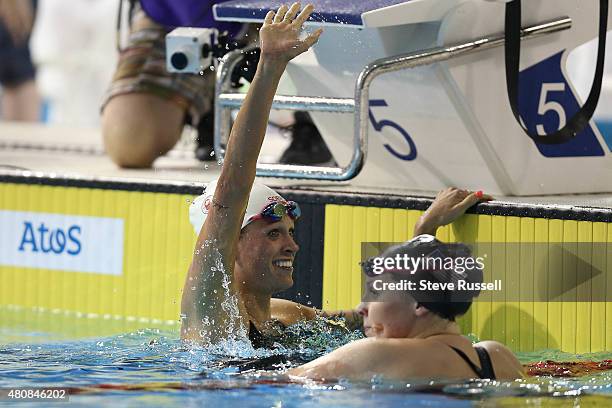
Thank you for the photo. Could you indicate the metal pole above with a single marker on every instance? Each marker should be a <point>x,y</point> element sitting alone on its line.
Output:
<point>360,105</point>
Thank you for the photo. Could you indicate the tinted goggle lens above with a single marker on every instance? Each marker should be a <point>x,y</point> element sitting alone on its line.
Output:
<point>276,211</point>
<point>294,210</point>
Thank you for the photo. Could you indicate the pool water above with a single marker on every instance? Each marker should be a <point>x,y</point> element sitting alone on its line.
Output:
<point>152,367</point>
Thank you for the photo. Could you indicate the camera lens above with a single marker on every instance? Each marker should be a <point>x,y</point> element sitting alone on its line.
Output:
<point>179,60</point>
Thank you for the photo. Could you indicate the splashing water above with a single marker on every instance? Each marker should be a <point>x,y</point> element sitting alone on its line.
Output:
<point>225,324</point>
<point>237,339</point>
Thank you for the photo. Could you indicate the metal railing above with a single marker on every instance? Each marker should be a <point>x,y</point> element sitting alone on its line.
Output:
<point>359,106</point>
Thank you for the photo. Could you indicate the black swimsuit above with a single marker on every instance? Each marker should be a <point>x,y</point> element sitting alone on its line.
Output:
<point>260,340</point>
<point>486,367</point>
<point>256,337</point>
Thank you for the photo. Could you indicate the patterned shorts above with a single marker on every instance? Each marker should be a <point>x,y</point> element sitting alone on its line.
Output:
<point>142,69</point>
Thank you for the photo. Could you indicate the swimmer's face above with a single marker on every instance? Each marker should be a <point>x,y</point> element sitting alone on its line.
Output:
<point>387,313</point>
<point>391,314</point>
<point>389,319</point>
<point>266,251</point>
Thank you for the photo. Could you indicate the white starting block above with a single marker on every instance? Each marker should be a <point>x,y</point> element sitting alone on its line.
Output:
<point>422,87</point>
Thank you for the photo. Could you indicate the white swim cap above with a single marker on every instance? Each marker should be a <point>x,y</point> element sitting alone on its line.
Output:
<point>259,198</point>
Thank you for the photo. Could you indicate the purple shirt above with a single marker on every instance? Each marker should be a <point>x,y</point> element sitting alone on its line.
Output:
<point>187,13</point>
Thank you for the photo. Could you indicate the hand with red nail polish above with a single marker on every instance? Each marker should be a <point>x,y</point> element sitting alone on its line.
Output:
<point>448,205</point>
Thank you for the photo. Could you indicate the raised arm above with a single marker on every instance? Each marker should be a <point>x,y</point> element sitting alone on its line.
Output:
<point>215,253</point>
<point>448,205</point>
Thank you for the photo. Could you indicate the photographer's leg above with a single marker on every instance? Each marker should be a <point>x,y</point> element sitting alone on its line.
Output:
<point>19,99</point>
<point>21,103</point>
<point>140,127</point>
<point>146,107</point>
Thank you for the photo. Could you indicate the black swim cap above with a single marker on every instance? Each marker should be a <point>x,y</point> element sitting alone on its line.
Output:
<point>440,263</point>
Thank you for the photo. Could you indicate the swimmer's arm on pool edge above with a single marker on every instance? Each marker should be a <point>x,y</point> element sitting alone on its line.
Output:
<point>203,291</point>
<point>448,205</point>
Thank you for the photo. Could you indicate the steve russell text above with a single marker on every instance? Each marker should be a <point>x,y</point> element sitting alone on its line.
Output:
<point>424,284</point>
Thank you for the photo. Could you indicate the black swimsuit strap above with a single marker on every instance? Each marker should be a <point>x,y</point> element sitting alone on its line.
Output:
<point>485,370</point>
<point>256,337</point>
<point>485,363</point>
<point>477,370</point>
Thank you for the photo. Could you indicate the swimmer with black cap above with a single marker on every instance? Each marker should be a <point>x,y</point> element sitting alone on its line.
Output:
<point>245,229</point>
<point>413,333</point>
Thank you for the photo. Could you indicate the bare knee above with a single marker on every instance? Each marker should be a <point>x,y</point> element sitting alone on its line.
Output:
<point>21,102</point>
<point>139,128</point>
<point>128,147</point>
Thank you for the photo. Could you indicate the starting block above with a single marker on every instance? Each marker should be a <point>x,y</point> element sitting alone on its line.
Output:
<point>412,94</point>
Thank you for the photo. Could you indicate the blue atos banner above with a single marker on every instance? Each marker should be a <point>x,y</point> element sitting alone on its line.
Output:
<point>61,242</point>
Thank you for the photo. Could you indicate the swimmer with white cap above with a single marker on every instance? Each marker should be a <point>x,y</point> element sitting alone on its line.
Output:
<point>245,226</point>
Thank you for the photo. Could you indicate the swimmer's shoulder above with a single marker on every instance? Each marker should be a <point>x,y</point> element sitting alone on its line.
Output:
<point>404,358</point>
<point>288,312</point>
<point>505,363</point>
<point>360,359</point>
<point>393,358</point>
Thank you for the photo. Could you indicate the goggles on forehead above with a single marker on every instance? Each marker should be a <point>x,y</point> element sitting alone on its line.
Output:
<point>275,211</point>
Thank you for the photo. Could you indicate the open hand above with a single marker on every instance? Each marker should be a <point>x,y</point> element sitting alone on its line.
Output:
<point>280,33</point>
<point>448,205</point>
